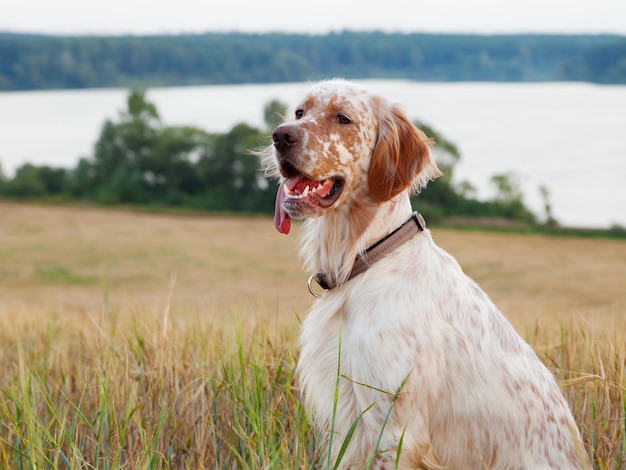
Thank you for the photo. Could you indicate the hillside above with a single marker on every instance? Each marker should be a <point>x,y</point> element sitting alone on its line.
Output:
<point>29,62</point>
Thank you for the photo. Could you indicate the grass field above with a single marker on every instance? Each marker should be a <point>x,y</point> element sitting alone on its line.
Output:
<point>138,340</point>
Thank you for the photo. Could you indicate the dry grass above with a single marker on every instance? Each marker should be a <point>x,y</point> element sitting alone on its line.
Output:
<point>106,362</point>
<point>80,258</point>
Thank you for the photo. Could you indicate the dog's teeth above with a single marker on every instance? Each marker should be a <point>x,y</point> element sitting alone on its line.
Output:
<point>308,190</point>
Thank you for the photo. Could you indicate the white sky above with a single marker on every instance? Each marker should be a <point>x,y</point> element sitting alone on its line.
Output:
<point>312,16</point>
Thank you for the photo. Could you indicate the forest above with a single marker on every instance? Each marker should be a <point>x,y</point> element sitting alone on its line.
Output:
<point>32,62</point>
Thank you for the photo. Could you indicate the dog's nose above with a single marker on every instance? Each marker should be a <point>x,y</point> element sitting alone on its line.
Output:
<point>285,137</point>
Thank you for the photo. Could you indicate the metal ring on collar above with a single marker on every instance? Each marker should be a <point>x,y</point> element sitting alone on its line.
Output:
<point>310,285</point>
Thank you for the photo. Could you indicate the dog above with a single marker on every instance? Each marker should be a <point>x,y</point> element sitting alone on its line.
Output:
<point>404,361</point>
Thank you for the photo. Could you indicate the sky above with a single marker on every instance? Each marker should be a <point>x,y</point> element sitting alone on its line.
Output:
<point>140,17</point>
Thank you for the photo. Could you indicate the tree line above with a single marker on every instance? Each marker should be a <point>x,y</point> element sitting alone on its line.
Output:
<point>30,62</point>
<point>137,160</point>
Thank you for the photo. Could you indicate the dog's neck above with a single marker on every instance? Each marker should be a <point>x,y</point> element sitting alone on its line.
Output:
<point>331,243</point>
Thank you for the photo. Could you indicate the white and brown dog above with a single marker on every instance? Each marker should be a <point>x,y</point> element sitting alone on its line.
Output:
<point>434,374</point>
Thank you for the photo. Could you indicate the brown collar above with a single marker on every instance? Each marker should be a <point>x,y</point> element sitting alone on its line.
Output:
<point>375,252</point>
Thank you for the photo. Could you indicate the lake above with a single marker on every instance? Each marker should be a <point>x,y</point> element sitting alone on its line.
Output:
<point>570,137</point>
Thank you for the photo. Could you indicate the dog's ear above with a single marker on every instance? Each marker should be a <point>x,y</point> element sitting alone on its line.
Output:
<point>401,158</point>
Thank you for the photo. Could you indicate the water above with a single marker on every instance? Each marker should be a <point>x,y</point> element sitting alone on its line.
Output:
<point>570,137</point>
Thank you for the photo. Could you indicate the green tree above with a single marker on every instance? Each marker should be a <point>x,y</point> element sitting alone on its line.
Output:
<point>274,114</point>
<point>82,180</point>
<point>507,188</point>
<point>232,176</point>
<point>25,183</point>
<point>123,148</point>
<point>547,206</point>
<point>36,181</point>
<point>139,160</point>
<point>509,199</point>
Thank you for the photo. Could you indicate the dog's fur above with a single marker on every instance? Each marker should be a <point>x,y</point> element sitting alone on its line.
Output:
<point>425,358</point>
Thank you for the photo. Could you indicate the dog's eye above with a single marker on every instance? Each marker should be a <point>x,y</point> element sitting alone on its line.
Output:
<point>343,119</point>
<point>299,113</point>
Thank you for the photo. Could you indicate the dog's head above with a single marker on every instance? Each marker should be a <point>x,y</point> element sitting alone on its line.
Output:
<point>345,144</point>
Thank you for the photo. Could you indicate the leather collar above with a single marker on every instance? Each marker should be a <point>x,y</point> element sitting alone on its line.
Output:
<point>376,252</point>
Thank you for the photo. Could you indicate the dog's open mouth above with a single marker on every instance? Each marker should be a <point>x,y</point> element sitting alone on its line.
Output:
<point>322,193</point>
<point>299,194</point>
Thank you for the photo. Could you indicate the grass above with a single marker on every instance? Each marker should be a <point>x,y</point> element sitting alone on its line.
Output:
<point>109,395</point>
<point>180,351</point>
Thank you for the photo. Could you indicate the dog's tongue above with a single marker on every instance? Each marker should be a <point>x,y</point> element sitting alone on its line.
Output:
<point>282,221</point>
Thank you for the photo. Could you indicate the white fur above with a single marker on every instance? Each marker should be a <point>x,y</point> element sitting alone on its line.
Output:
<point>469,392</point>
